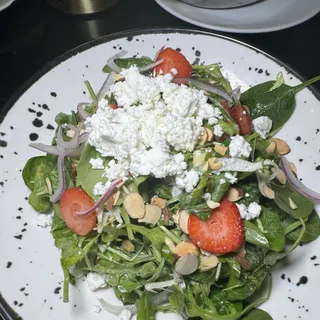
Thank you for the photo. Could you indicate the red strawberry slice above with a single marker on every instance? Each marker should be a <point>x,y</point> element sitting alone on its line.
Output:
<point>173,59</point>
<point>241,116</point>
<point>76,200</point>
<point>221,233</point>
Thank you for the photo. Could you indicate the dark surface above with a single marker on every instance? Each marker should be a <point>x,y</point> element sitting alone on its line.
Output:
<point>32,34</point>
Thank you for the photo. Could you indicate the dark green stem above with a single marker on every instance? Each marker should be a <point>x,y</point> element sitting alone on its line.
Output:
<point>91,92</point>
<point>303,85</point>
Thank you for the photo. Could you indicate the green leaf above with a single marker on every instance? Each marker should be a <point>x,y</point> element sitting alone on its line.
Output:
<point>255,255</point>
<point>87,177</point>
<point>285,192</point>
<point>278,83</point>
<point>125,63</point>
<point>312,228</point>
<point>254,235</point>
<point>251,192</point>
<point>197,194</point>
<point>154,235</point>
<point>274,230</point>
<point>278,105</point>
<point>176,299</point>
<point>145,308</point>
<point>63,118</point>
<point>219,189</point>
<point>257,314</point>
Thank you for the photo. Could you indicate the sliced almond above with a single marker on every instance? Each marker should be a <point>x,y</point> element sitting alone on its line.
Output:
<point>209,134</point>
<point>272,147</point>
<point>281,177</point>
<point>234,194</point>
<point>199,160</point>
<point>203,136</point>
<point>152,214</point>
<point>212,205</point>
<point>128,245</point>
<point>213,164</point>
<point>292,204</point>
<point>116,197</point>
<point>185,247</point>
<point>70,133</point>
<point>221,149</point>
<point>293,168</point>
<point>205,167</point>
<point>169,243</point>
<point>183,221</point>
<point>159,202</point>
<point>281,146</point>
<point>187,264</point>
<point>208,262</point>
<point>134,205</point>
<point>49,186</point>
<point>269,193</point>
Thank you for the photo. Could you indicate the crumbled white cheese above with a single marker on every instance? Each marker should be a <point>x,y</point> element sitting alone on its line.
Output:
<point>176,191</point>
<point>223,181</point>
<point>239,147</point>
<point>207,196</point>
<point>96,163</point>
<point>262,126</point>
<point>76,272</point>
<point>43,220</point>
<point>96,309</point>
<point>247,195</point>
<point>217,130</point>
<point>251,212</point>
<point>125,314</point>
<point>174,71</point>
<point>154,116</point>
<point>231,177</point>
<point>240,165</point>
<point>100,188</point>
<point>188,180</point>
<point>96,281</point>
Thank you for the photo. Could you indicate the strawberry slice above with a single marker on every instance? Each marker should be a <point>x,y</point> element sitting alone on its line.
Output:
<point>221,233</point>
<point>76,200</point>
<point>173,59</point>
<point>241,116</point>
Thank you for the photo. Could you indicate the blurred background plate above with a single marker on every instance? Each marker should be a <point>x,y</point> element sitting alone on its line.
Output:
<point>5,4</point>
<point>264,16</point>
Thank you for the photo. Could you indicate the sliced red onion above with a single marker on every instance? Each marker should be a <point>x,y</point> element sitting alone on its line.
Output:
<point>112,65</point>
<point>157,54</point>
<point>74,142</point>
<point>203,86</point>
<point>45,148</point>
<point>62,185</point>
<point>117,310</point>
<point>296,183</point>
<point>236,93</point>
<point>111,79</point>
<point>151,65</point>
<point>83,113</point>
<point>107,194</point>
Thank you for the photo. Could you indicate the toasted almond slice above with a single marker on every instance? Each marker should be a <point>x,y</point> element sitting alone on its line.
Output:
<point>128,245</point>
<point>208,262</point>
<point>293,168</point>
<point>49,186</point>
<point>116,197</point>
<point>212,205</point>
<point>159,202</point>
<point>169,243</point>
<point>269,193</point>
<point>281,146</point>
<point>272,147</point>
<point>220,148</point>
<point>185,247</point>
<point>199,160</point>
<point>134,205</point>
<point>203,136</point>
<point>187,264</point>
<point>70,133</point>
<point>209,134</point>
<point>234,194</point>
<point>183,221</point>
<point>152,214</point>
<point>292,204</point>
<point>213,164</point>
<point>281,177</point>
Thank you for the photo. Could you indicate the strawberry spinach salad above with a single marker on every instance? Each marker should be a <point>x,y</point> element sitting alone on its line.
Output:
<point>170,188</point>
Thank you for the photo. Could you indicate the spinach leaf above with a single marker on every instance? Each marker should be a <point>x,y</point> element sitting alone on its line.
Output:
<point>125,63</point>
<point>254,235</point>
<point>197,194</point>
<point>278,105</point>
<point>312,228</point>
<point>257,314</point>
<point>255,255</point>
<point>251,192</point>
<point>87,177</point>
<point>211,74</point>
<point>145,308</point>
<point>219,189</point>
<point>274,230</point>
<point>154,235</point>
<point>163,191</point>
<point>283,194</point>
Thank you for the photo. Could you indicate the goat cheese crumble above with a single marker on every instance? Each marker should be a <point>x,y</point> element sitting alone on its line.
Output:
<point>239,147</point>
<point>96,163</point>
<point>154,116</point>
<point>96,281</point>
<point>262,126</point>
<point>251,212</point>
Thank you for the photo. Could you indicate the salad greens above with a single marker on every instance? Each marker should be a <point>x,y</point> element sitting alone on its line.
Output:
<point>139,259</point>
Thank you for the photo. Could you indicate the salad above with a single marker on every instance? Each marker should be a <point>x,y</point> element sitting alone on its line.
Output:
<point>170,187</point>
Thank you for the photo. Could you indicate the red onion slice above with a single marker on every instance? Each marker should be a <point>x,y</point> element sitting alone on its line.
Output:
<point>236,93</point>
<point>107,194</point>
<point>203,86</point>
<point>296,183</point>
<point>112,65</point>
<point>151,65</point>
<point>83,113</point>
<point>62,185</point>
<point>111,79</point>
<point>45,148</point>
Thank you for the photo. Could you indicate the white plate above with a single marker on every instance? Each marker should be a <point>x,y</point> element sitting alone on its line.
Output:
<point>30,275</point>
<point>264,16</point>
<point>5,4</point>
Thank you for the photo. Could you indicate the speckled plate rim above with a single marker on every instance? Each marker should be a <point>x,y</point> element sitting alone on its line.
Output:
<point>6,311</point>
